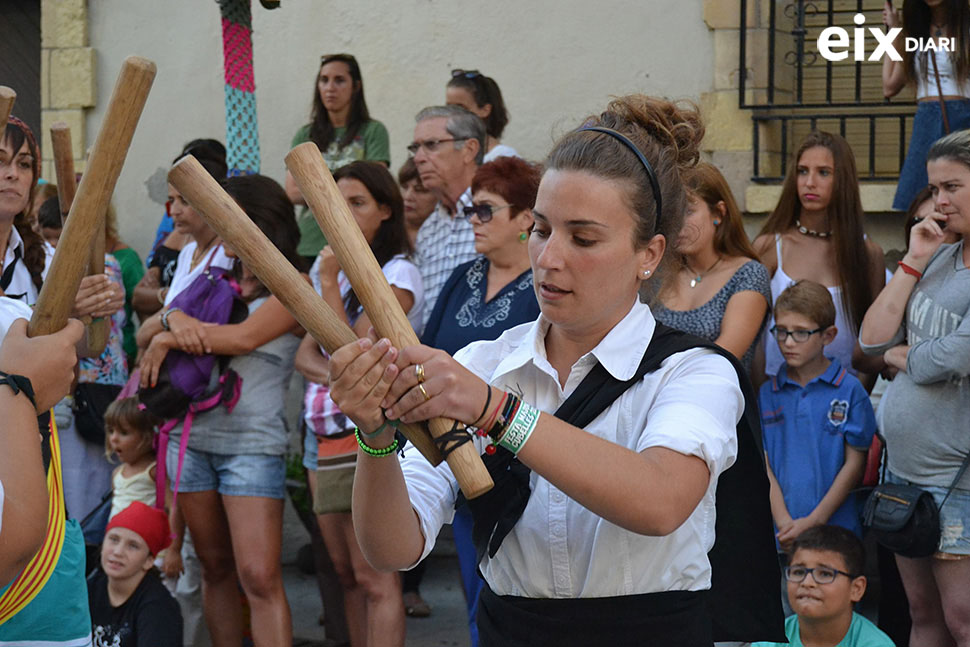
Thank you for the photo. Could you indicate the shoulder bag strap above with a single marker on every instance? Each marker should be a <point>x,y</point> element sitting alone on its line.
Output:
<point>939,93</point>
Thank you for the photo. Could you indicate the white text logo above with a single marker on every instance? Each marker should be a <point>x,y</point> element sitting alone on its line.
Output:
<point>834,43</point>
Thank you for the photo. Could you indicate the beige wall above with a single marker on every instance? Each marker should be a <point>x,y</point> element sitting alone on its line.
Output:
<point>555,62</point>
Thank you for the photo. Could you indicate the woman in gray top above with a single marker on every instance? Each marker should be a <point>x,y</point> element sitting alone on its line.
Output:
<point>233,470</point>
<point>920,323</point>
<point>720,291</point>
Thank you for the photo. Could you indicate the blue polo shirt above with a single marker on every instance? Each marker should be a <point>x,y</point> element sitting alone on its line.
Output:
<point>805,433</point>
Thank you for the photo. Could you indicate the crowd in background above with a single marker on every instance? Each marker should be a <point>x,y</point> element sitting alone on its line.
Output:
<point>810,309</point>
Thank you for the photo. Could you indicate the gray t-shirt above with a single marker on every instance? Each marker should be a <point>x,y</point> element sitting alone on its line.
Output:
<point>925,412</point>
<point>256,425</point>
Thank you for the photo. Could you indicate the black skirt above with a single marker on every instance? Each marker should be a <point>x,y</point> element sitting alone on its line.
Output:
<point>680,618</point>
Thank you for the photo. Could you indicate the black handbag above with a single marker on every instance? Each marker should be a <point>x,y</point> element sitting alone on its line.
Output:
<point>905,518</point>
<point>91,400</point>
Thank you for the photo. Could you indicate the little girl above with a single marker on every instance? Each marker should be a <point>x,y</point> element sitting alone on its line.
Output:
<point>130,435</point>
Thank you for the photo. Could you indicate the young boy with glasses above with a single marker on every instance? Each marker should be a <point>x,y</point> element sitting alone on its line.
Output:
<point>817,418</point>
<point>824,581</point>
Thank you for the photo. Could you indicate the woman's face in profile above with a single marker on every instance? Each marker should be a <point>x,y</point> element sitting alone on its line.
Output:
<point>697,233</point>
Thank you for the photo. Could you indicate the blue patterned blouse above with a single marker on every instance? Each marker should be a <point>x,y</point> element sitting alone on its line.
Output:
<point>461,315</point>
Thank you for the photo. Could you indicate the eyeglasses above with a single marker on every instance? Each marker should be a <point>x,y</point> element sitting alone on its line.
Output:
<point>821,574</point>
<point>799,336</point>
<point>483,211</point>
<point>431,145</point>
<point>468,74</point>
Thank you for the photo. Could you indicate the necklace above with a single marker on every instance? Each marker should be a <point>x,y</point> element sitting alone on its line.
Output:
<point>700,275</point>
<point>200,252</point>
<point>938,28</point>
<point>810,232</point>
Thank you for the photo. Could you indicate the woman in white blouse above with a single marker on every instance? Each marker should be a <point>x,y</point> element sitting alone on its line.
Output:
<point>620,510</point>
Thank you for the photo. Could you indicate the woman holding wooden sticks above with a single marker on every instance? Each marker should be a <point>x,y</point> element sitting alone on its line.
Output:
<point>233,470</point>
<point>372,599</point>
<point>575,553</point>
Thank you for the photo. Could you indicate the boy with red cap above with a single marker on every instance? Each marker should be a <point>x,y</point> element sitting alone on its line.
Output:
<point>130,607</point>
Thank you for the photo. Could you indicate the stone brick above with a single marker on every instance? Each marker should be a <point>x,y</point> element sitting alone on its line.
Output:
<point>761,198</point>
<point>64,23</point>
<point>728,127</point>
<point>72,80</point>
<point>45,78</point>
<point>876,197</point>
<point>726,14</point>
<point>735,166</point>
<point>75,121</point>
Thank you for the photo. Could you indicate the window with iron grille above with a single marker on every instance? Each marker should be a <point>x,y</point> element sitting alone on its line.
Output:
<point>790,89</point>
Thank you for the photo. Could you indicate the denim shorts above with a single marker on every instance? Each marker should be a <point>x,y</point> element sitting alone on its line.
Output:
<point>954,515</point>
<point>230,474</point>
<point>309,449</point>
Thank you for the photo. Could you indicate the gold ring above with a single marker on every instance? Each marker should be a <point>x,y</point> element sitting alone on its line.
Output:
<point>423,392</point>
<point>419,372</point>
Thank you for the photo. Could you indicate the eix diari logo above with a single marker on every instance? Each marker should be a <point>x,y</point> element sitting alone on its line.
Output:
<point>834,43</point>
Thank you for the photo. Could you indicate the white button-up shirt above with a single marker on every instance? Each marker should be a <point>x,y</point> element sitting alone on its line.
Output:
<point>444,242</point>
<point>559,549</point>
<point>21,283</point>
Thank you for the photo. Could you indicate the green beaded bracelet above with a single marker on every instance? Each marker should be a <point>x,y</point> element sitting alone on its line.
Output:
<point>387,451</point>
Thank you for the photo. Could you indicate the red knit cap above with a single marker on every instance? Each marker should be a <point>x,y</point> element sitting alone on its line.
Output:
<point>150,523</point>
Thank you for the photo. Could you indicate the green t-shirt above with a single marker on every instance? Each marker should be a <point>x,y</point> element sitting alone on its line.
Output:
<point>862,633</point>
<point>132,269</point>
<point>371,143</point>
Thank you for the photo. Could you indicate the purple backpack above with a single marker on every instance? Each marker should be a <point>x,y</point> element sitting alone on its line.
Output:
<point>183,388</point>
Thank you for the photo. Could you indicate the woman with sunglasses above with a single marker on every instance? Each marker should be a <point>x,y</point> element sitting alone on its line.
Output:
<point>599,525</point>
<point>485,297</point>
<point>341,127</point>
<point>480,95</point>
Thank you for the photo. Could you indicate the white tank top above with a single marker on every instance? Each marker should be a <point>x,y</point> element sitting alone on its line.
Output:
<point>841,347</point>
<point>140,487</point>
<point>926,84</point>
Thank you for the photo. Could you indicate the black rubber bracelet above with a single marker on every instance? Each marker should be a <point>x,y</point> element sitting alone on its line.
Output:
<point>19,384</point>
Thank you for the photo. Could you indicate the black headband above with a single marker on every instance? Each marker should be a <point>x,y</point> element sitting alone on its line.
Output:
<point>643,160</point>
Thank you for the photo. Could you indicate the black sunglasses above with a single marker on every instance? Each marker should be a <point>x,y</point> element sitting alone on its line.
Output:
<point>483,211</point>
<point>468,74</point>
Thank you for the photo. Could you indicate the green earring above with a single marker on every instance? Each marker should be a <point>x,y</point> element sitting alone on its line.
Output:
<point>524,236</point>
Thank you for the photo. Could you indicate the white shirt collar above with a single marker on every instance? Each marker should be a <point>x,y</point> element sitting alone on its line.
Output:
<point>620,351</point>
<point>13,242</point>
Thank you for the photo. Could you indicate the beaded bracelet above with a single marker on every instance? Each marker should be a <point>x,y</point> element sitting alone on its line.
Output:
<point>377,453</point>
<point>520,429</point>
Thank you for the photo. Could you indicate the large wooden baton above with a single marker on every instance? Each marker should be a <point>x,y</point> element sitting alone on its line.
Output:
<point>227,219</point>
<point>87,211</point>
<point>357,261</point>
<point>7,98</point>
<point>99,330</point>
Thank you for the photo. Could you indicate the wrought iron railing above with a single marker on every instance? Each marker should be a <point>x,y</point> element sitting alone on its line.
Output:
<point>790,88</point>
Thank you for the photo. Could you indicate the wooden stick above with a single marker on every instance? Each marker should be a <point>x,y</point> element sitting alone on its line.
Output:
<point>357,261</point>
<point>227,219</point>
<point>70,261</point>
<point>99,330</point>
<point>7,98</point>
<point>63,165</point>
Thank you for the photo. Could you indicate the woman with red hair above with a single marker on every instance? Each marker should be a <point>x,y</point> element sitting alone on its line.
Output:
<point>485,297</point>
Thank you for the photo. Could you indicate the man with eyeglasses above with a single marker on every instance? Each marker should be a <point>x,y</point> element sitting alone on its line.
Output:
<point>824,581</point>
<point>448,147</point>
